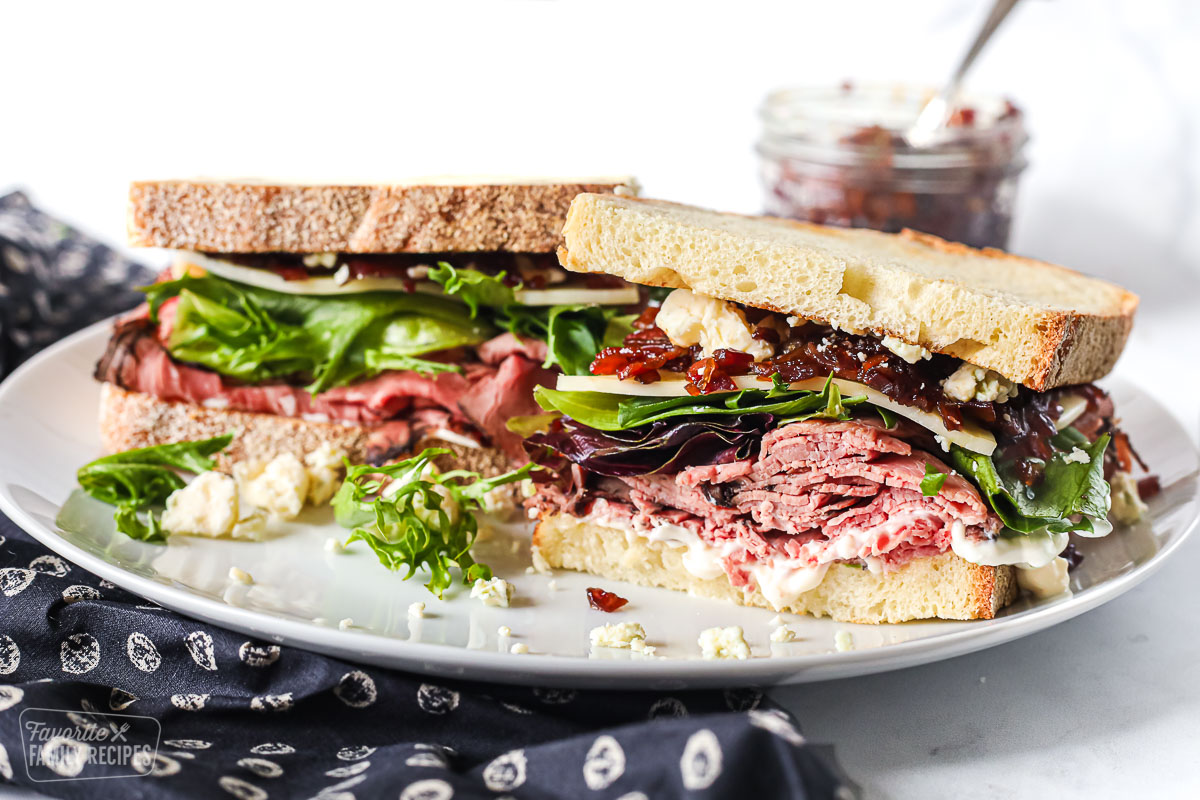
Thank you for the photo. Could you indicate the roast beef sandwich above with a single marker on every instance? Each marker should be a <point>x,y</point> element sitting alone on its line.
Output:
<point>369,320</point>
<point>874,427</point>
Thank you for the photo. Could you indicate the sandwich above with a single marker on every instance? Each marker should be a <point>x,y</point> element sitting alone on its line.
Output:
<point>874,427</point>
<point>371,321</point>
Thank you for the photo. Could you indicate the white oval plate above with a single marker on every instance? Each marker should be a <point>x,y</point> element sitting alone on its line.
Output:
<point>302,592</point>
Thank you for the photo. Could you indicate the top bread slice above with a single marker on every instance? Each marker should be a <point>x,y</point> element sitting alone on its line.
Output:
<point>431,216</point>
<point>1035,323</point>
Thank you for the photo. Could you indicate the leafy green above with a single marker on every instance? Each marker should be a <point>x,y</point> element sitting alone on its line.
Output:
<point>889,419</point>
<point>256,334</point>
<point>135,480</point>
<point>420,518</point>
<point>1070,496</point>
<point>614,412</point>
<point>932,483</point>
<point>574,334</point>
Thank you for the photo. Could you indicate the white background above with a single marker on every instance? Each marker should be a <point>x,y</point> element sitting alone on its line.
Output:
<point>93,95</point>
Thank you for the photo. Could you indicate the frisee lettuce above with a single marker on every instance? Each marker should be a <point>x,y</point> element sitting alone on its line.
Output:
<point>419,519</point>
<point>136,480</point>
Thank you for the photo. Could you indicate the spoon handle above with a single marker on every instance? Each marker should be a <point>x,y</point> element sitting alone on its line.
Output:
<point>937,111</point>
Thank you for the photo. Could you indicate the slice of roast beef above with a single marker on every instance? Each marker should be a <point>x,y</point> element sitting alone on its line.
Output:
<point>479,400</point>
<point>818,492</point>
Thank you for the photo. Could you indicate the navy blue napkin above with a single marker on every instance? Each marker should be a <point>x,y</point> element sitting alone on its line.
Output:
<point>105,695</point>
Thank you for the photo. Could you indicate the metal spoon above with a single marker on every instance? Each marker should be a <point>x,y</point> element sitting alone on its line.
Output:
<point>936,113</point>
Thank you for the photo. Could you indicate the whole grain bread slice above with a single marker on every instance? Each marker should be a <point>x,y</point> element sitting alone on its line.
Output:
<point>1035,323</point>
<point>943,586</point>
<point>431,216</point>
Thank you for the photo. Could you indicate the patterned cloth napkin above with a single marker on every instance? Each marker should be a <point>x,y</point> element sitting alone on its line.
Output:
<point>92,676</point>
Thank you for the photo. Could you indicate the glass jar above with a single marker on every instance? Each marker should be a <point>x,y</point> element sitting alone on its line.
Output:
<point>837,156</point>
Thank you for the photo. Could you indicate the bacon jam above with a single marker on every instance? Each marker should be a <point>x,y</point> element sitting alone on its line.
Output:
<point>1023,425</point>
<point>604,601</point>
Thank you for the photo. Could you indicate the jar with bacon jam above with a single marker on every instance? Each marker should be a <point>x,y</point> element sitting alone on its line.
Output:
<point>837,156</point>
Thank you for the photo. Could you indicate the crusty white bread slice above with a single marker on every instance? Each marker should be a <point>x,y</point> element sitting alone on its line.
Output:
<point>432,216</point>
<point>132,419</point>
<point>1038,324</point>
<point>943,586</point>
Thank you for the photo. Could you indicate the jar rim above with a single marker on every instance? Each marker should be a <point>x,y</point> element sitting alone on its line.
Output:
<point>862,124</point>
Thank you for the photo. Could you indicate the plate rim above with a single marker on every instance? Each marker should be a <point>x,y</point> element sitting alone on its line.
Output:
<point>549,669</point>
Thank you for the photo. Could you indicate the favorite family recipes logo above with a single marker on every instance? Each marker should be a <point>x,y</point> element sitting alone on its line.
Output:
<point>75,745</point>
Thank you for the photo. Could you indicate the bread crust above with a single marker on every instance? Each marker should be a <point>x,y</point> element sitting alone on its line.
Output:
<point>132,419</point>
<point>250,217</point>
<point>1038,324</point>
<point>943,586</point>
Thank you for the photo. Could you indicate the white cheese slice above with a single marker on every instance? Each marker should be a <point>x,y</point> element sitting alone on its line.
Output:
<point>265,279</point>
<point>970,437</point>
<point>1073,407</point>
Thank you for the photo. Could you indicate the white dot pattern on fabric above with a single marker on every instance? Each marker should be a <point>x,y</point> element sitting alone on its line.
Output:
<point>272,749</point>
<point>604,763</point>
<point>428,789</point>
<point>73,594</point>
<point>142,652</point>
<point>777,723</point>
<point>10,655</point>
<point>432,760</point>
<point>272,702</point>
<point>700,765</point>
<point>505,772</point>
<point>65,757</point>
<point>668,707</point>
<point>354,753</point>
<point>258,655</point>
<point>189,702</point>
<point>436,699</point>
<point>80,653</point>
<point>157,764</point>
<point>261,767</point>
<point>242,790</point>
<point>633,796</point>
<point>199,645</point>
<point>188,744</point>
<point>10,696</point>
<point>350,770</point>
<point>5,767</point>
<point>50,565</point>
<point>119,699</point>
<point>356,689</point>
<point>14,580</point>
<point>516,709</point>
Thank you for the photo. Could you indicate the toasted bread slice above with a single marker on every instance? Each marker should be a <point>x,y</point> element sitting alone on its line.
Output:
<point>132,419</point>
<point>434,216</point>
<point>943,586</point>
<point>1035,323</point>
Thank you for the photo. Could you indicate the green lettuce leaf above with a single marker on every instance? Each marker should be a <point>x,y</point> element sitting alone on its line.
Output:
<point>614,412</point>
<point>1065,491</point>
<point>135,480</point>
<point>423,520</point>
<point>256,334</point>
<point>933,481</point>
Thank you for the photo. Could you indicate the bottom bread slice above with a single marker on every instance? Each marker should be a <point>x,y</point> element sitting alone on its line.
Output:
<point>132,419</point>
<point>943,586</point>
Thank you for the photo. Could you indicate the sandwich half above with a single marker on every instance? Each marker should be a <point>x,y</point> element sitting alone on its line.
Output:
<point>874,427</point>
<point>375,320</point>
